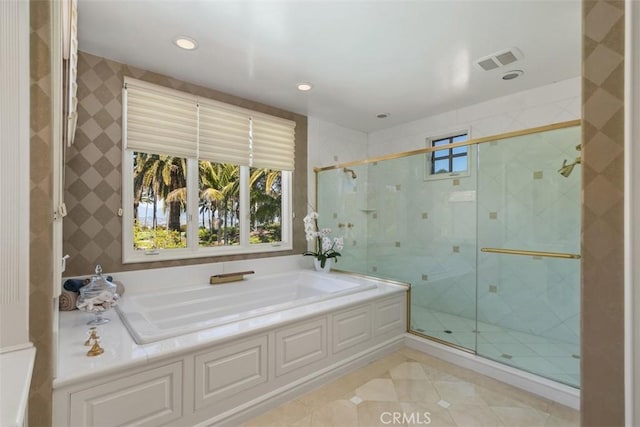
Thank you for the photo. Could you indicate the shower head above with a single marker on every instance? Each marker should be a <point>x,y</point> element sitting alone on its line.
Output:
<point>566,169</point>
<point>353,174</point>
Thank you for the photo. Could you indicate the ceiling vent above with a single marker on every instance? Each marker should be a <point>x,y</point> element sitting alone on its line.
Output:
<point>499,59</point>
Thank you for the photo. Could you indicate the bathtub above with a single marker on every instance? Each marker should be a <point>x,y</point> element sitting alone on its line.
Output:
<point>154,316</point>
<point>185,353</point>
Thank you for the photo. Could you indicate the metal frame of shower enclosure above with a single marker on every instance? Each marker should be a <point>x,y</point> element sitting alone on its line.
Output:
<point>474,141</point>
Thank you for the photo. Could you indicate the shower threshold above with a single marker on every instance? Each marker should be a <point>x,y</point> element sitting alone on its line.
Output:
<point>553,359</point>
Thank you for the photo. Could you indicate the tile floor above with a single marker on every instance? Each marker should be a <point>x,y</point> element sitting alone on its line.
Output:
<point>554,359</point>
<point>417,390</point>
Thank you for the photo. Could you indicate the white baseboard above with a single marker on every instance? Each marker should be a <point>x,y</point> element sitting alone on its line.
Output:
<point>543,387</point>
<point>245,412</point>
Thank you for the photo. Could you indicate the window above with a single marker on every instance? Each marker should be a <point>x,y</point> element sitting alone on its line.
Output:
<point>219,204</point>
<point>159,204</point>
<point>451,160</point>
<point>265,205</point>
<point>202,178</point>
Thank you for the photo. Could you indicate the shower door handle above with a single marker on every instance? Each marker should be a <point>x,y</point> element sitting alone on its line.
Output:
<point>531,253</point>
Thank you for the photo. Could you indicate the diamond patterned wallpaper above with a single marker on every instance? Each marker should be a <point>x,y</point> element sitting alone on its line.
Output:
<point>40,224</point>
<point>602,212</point>
<point>93,230</point>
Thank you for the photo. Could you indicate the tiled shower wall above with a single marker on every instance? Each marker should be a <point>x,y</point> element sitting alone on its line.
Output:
<point>92,229</point>
<point>535,107</point>
<point>342,205</point>
<point>602,362</point>
<point>524,203</point>
<point>424,232</point>
<point>427,232</point>
<point>40,224</point>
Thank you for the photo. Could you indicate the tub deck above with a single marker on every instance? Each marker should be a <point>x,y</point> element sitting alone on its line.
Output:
<point>151,317</point>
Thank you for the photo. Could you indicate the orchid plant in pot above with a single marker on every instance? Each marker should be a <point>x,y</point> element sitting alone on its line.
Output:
<point>326,248</point>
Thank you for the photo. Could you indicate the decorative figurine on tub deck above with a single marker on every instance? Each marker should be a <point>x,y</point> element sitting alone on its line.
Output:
<point>97,297</point>
<point>94,342</point>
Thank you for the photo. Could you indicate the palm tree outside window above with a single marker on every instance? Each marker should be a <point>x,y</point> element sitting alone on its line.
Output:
<point>160,203</point>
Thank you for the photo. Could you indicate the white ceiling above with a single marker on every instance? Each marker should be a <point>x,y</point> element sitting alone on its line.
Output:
<point>408,58</point>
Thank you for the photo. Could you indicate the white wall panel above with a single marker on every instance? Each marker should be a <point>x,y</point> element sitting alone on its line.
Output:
<point>230,370</point>
<point>351,328</point>
<point>14,174</point>
<point>149,398</point>
<point>300,345</point>
<point>390,316</point>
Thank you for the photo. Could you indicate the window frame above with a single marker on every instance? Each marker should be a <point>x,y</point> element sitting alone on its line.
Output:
<point>193,249</point>
<point>429,157</point>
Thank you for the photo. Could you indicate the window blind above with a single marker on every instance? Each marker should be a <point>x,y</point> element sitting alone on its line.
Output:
<point>224,133</point>
<point>273,142</point>
<point>160,121</point>
<point>165,121</point>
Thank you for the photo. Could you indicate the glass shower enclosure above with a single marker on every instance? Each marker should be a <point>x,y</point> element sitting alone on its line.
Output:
<point>492,255</point>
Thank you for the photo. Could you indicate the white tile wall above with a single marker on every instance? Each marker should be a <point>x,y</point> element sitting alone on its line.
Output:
<point>553,103</point>
<point>329,144</point>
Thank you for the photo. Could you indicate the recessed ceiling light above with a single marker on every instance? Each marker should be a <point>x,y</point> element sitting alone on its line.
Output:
<point>304,87</point>
<point>383,115</point>
<point>186,43</point>
<point>513,74</point>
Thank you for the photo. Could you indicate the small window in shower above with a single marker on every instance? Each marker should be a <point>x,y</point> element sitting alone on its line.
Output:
<point>450,159</point>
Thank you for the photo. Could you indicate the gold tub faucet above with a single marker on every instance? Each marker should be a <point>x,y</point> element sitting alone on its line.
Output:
<point>218,279</point>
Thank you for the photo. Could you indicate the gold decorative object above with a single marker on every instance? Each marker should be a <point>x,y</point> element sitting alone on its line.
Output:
<point>95,349</point>
<point>93,337</point>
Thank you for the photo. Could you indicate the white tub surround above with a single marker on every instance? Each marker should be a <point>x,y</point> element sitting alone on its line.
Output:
<point>227,373</point>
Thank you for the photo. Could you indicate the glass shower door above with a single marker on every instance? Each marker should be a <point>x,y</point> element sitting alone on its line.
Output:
<point>342,207</point>
<point>399,225</point>
<point>528,279</point>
